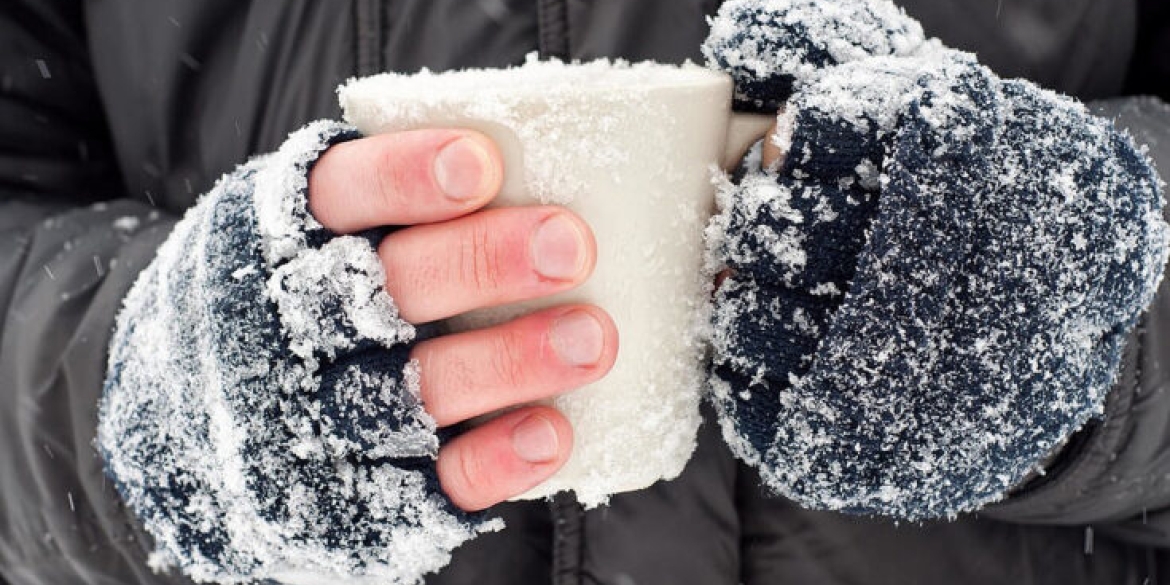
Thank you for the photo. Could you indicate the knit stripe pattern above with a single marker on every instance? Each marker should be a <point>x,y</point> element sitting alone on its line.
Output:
<point>261,414</point>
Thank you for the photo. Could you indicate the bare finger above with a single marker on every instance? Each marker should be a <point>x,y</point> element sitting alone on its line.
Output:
<point>505,457</point>
<point>419,176</point>
<point>536,356</point>
<point>489,258</point>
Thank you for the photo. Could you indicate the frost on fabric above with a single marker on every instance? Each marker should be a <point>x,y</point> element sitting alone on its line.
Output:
<point>342,275</point>
<point>261,415</point>
<point>1012,243</point>
<point>283,220</point>
<point>771,47</point>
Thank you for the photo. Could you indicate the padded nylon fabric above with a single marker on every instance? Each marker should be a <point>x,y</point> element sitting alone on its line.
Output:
<point>142,105</point>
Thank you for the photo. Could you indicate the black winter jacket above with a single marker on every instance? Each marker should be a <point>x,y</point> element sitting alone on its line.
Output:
<point>115,115</point>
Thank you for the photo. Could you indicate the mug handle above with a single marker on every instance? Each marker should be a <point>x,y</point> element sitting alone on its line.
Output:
<point>742,132</point>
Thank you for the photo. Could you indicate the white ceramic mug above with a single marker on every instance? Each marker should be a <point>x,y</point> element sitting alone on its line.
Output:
<point>631,148</point>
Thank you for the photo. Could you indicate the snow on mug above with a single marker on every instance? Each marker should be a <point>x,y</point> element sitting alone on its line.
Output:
<point>630,148</point>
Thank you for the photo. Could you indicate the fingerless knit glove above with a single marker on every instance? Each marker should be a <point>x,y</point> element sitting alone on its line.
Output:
<point>261,415</point>
<point>932,292</point>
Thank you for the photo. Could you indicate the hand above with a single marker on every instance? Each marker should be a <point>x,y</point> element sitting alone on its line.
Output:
<point>457,259</point>
<point>932,280</point>
<point>270,407</point>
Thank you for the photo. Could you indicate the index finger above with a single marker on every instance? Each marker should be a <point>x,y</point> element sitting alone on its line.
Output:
<point>403,178</point>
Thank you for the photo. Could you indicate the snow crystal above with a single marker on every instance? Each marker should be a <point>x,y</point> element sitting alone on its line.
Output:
<point>43,68</point>
<point>826,289</point>
<point>244,272</point>
<point>241,420</point>
<point>126,224</point>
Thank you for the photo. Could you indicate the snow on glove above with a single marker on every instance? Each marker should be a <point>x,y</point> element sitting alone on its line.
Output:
<point>772,46</point>
<point>261,414</point>
<point>932,292</point>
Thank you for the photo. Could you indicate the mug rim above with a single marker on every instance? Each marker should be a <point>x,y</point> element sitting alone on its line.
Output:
<point>539,78</point>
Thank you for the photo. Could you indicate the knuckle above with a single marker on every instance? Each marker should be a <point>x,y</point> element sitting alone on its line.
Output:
<point>409,283</point>
<point>389,262</point>
<point>480,267</point>
<point>449,388</point>
<point>393,181</point>
<point>507,365</point>
<point>470,479</point>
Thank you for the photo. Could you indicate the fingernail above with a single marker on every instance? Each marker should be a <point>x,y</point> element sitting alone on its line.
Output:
<point>577,338</point>
<point>460,168</point>
<point>535,440</point>
<point>558,248</point>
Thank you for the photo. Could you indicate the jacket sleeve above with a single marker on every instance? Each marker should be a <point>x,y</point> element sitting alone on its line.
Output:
<point>70,246</point>
<point>1149,71</point>
<point>1115,472</point>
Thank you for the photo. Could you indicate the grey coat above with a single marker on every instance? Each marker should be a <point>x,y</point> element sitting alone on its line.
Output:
<point>140,106</point>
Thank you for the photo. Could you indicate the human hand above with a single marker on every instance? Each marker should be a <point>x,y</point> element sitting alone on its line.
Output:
<point>932,281</point>
<point>455,258</point>
<point>270,412</point>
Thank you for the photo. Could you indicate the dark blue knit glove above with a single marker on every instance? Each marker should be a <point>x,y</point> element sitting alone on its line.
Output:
<point>772,46</point>
<point>261,415</point>
<point>932,292</point>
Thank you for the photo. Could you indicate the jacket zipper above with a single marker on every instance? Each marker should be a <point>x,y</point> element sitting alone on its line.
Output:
<point>568,549</point>
<point>368,37</point>
<point>553,25</point>
<point>568,517</point>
